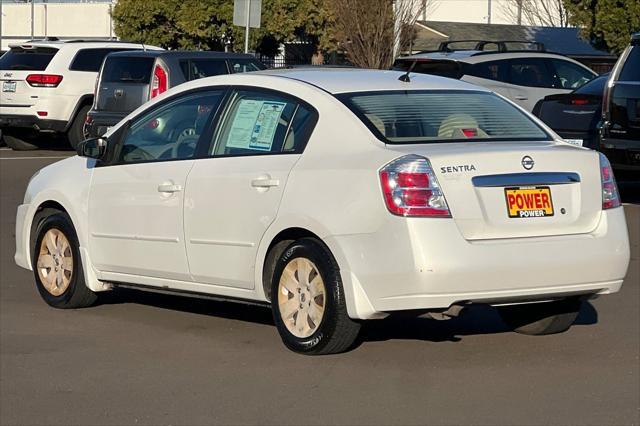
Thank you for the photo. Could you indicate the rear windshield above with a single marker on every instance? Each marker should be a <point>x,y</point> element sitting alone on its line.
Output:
<point>19,59</point>
<point>127,70</point>
<point>450,69</point>
<point>90,59</point>
<point>631,69</point>
<point>593,87</point>
<point>441,116</point>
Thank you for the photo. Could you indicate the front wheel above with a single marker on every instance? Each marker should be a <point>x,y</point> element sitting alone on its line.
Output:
<point>57,265</point>
<point>541,318</point>
<point>308,302</point>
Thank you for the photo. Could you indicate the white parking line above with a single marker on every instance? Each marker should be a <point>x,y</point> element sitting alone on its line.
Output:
<point>33,158</point>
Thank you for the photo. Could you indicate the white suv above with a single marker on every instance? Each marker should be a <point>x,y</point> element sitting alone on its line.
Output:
<point>48,85</point>
<point>523,76</point>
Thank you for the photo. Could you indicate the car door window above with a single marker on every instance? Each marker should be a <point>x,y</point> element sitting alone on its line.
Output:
<point>492,70</point>
<point>244,65</point>
<point>194,69</point>
<point>568,75</point>
<point>171,131</point>
<point>262,122</point>
<point>530,72</point>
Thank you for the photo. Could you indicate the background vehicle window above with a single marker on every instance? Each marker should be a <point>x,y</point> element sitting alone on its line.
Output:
<point>124,69</point>
<point>199,68</point>
<point>259,123</point>
<point>492,70</point>
<point>170,132</point>
<point>450,69</point>
<point>90,59</point>
<point>441,116</point>
<point>570,76</point>
<point>630,70</point>
<point>529,72</point>
<point>244,65</point>
<point>20,59</point>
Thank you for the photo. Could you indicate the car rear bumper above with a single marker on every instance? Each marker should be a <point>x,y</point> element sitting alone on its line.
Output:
<point>415,264</point>
<point>31,122</point>
<point>98,122</point>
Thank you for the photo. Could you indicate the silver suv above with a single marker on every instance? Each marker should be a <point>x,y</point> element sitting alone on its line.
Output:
<point>511,69</point>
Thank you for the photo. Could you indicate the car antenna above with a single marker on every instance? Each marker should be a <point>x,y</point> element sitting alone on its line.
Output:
<point>405,77</point>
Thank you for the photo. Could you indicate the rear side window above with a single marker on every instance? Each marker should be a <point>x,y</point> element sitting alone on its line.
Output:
<point>529,72</point>
<point>127,70</point>
<point>630,70</point>
<point>450,69</point>
<point>90,60</point>
<point>441,116</point>
<point>260,122</point>
<point>19,59</point>
<point>194,69</point>
<point>244,65</point>
<point>492,70</point>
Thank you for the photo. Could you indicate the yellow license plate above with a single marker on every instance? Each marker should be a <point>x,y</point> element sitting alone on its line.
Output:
<point>529,201</point>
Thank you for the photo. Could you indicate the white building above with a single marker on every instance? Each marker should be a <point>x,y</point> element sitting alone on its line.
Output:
<point>87,20</point>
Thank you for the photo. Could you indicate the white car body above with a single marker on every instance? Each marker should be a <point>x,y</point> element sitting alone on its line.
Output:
<point>213,236</point>
<point>525,96</point>
<point>52,108</point>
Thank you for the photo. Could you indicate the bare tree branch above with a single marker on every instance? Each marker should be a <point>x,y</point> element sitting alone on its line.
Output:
<point>545,13</point>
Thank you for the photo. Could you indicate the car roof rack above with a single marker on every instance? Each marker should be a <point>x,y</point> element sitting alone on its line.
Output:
<point>501,46</point>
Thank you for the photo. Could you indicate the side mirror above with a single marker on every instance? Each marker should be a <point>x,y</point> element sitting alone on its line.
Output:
<point>92,148</point>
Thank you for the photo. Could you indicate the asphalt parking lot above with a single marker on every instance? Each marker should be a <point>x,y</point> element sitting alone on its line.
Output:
<point>139,358</point>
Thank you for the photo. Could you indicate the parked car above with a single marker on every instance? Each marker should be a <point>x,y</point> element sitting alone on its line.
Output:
<point>129,79</point>
<point>47,86</point>
<point>524,76</point>
<point>621,113</point>
<point>575,116</point>
<point>335,196</point>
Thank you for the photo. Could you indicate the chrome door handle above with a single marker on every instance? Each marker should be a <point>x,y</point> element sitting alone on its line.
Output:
<point>264,182</point>
<point>521,98</point>
<point>169,188</point>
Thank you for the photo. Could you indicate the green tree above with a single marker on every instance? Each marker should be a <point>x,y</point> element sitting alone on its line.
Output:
<point>605,23</point>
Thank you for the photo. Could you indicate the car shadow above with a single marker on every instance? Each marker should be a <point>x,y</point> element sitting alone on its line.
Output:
<point>474,320</point>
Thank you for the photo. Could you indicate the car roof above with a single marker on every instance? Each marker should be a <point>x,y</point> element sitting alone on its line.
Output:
<point>344,80</point>
<point>475,56</point>
<point>77,44</point>
<point>180,54</point>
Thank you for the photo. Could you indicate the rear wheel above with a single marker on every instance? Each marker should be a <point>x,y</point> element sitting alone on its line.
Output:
<point>57,265</point>
<point>541,318</point>
<point>75,134</point>
<point>18,141</point>
<point>308,302</point>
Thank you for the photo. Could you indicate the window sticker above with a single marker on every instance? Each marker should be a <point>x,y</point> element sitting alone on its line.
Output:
<point>255,124</point>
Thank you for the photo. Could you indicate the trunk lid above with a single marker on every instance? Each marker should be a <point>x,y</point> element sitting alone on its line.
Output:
<point>475,177</point>
<point>124,83</point>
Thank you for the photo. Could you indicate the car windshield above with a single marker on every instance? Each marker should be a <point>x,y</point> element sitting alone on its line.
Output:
<point>431,116</point>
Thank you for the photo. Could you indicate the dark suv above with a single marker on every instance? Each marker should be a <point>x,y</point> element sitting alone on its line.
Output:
<point>620,137</point>
<point>129,79</point>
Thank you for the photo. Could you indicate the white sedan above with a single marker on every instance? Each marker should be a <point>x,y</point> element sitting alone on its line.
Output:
<point>335,196</point>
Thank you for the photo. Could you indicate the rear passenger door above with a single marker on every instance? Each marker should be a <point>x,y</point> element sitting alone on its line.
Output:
<point>531,79</point>
<point>233,194</point>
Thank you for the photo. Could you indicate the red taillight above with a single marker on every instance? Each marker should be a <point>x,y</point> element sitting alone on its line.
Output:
<point>44,80</point>
<point>470,133</point>
<point>159,82</point>
<point>410,188</point>
<point>579,101</point>
<point>610,195</point>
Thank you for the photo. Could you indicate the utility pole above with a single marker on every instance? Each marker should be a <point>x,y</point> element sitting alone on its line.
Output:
<point>246,29</point>
<point>32,19</point>
<point>0,23</point>
<point>519,12</point>
<point>489,12</point>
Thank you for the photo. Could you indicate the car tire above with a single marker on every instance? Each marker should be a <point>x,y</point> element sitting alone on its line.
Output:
<point>57,265</point>
<point>308,302</point>
<point>18,142</point>
<point>538,319</point>
<point>75,134</point>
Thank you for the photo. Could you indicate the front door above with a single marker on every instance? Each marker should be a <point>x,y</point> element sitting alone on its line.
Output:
<point>233,196</point>
<point>136,203</point>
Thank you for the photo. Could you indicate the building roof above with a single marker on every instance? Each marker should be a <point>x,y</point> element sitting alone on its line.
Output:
<point>566,41</point>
